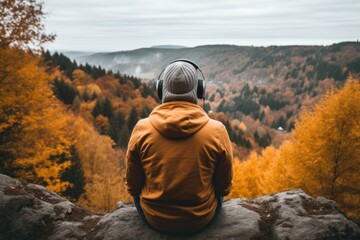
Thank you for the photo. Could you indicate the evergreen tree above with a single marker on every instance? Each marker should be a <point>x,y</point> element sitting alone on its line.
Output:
<point>246,90</point>
<point>144,112</point>
<point>133,118</point>
<point>107,108</point>
<point>124,137</point>
<point>262,115</point>
<point>281,122</point>
<point>221,107</point>
<point>74,174</point>
<point>136,82</point>
<point>115,127</point>
<point>97,110</point>
<point>93,97</point>
<point>65,92</point>
<point>146,91</point>
<point>85,96</point>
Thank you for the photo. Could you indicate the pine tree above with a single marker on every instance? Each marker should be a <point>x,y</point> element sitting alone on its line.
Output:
<point>107,109</point>
<point>116,124</point>
<point>133,118</point>
<point>65,92</point>
<point>124,137</point>
<point>75,176</point>
<point>97,110</point>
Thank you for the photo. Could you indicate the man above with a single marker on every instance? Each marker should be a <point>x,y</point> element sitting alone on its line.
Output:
<point>179,162</point>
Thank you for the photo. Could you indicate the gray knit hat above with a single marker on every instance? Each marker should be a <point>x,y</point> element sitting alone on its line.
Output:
<point>180,83</point>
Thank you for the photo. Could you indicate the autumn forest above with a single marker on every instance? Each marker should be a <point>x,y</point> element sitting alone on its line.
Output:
<point>66,125</point>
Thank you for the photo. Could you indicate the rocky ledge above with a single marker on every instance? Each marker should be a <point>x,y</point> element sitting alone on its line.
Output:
<point>29,211</point>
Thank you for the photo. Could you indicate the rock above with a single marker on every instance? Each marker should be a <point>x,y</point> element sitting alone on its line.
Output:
<point>68,230</point>
<point>29,211</point>
<point>299,216</point>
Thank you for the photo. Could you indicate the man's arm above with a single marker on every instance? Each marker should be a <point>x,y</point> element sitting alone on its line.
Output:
<point>223,171</point>
<point>135,175</point>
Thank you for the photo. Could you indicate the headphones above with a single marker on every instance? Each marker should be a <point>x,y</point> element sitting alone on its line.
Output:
<point>200,91</point>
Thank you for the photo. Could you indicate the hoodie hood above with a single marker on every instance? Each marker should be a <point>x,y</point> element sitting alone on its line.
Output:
<point>178,119</point>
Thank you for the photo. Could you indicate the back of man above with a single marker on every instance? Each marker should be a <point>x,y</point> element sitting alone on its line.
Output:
<point>179,160</point>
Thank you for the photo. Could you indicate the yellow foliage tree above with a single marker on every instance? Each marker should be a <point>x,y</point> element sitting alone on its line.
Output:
<point>322,157</point>
<point>240,186</point>
<point>281,174</point>
<point>33,125</point>
<point>103,169</point>
<point>80,78</point>
<point>327,147</point>
<point>249,176</point>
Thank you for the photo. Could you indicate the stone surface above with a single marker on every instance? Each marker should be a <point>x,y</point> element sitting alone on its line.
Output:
<point>29,211</point>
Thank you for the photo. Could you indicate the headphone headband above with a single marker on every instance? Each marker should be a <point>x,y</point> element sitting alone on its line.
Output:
<point>187,61</point>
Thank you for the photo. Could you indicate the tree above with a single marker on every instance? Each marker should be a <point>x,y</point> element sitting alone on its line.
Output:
<point>74,175</point>
<point>80,78</point>
<point>34,126</point>
<point>322,157</point>
<point>103,168</point>
<point>21,24</point>
<point>115,127</point>
<point>102,124</point>
<point>327,145</point>
<point>107,108</point>
<point>63,91</point>
<point>124,136</point>
<point>133,118</point>
<point>98,109</point>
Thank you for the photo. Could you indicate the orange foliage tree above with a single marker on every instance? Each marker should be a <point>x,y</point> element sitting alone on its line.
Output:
<point>103,168</point>
<point>322,157</point>
<point>37,132</point>
<point>327,147</point>
<point>33,125</point>
<point>21,24</point>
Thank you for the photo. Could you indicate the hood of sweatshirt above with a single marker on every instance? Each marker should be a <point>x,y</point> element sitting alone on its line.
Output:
<point>178,119</point>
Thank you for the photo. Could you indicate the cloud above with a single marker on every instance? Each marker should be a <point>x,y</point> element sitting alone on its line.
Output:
<point>109,25</point>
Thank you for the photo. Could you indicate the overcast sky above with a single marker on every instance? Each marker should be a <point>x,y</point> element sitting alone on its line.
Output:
<point>114,25</point>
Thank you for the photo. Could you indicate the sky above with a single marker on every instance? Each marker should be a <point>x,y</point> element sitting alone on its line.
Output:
<point>115,25</point>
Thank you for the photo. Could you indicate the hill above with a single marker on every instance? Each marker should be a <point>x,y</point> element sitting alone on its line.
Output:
<point>259,90</point>
<point>223,63</point>
<point>169,46</point>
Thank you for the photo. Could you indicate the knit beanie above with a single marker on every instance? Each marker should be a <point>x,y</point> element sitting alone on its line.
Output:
<point>180,83</point>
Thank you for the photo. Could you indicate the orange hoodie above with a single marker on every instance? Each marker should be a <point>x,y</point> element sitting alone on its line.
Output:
<point>178,161</point>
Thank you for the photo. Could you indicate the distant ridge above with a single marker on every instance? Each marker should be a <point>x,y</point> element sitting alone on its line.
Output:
<point>168,46</point>
<point>76,54</point>
<point>225,63</point>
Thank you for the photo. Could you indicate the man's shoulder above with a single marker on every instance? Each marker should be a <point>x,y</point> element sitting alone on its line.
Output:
<point>143,124</point>
<point>215,123</point>
<point>141,127</point>
<point>215,127</point>
<point>143,121</point>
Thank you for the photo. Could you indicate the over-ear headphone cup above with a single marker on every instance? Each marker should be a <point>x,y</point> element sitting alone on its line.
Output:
<point>159,88</point>
<point>200,92</point>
